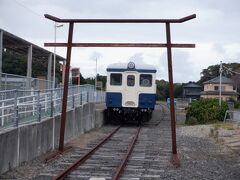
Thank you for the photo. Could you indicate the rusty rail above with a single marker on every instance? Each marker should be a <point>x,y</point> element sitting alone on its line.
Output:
<point>66,172</point>
<point>124,161</point>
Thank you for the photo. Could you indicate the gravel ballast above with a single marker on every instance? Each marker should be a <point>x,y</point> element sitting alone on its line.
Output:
<point>201,157</point>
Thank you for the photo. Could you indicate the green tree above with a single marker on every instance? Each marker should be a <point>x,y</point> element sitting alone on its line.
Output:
<point>163,90</point>
<point>101,78</point>
<point>213,71</point>
<point>178,90</point>
<point>14,64</point>
<point>17,64</point>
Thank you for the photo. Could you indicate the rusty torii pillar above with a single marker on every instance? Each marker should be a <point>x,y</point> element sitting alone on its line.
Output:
<point>167,45</point>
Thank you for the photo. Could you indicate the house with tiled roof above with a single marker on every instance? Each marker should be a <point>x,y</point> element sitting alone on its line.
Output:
<point>212,87</point>
<point>192,91</point>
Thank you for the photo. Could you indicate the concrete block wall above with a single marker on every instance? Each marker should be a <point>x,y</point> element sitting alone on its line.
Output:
<point>30,141</point>
<point>8,150</point>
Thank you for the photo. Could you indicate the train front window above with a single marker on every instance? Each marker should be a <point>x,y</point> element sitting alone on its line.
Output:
<point>116,79</point>
<point>146,80</point>
<point>130,80</point>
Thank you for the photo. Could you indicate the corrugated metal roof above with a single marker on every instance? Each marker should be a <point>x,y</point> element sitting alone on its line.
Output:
<point>20,47</point>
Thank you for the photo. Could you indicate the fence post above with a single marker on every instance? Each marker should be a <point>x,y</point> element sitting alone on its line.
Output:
<point>81,99</point>
<point>39,114</point>
<point>45,102</point>
<point>87,96</point>
<point>38,105</point>
<point>34,103</point>
<point>51,111</point>
<point>16,108</point>
<point>73,98</point>
<point>2,123</point>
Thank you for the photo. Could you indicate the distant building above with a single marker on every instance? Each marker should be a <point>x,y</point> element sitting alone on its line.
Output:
<point>211,89</point>
<point>192,91</point>
<point>76,76</point>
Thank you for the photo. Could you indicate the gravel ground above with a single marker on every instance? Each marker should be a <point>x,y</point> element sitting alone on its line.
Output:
<point>201,157</point>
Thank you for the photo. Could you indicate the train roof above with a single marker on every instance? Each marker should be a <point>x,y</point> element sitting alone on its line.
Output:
<point>121,67</point>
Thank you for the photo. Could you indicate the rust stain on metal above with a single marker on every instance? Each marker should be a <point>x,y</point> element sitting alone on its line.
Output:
<point>170,76</point>
<point>181,20</point>
<point>144,45</point>
<point>175,160</point>
<point>65,90</point>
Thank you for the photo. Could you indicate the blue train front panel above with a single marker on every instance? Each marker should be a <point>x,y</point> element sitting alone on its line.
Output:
<point>147,101</point>
<point>114,100</point>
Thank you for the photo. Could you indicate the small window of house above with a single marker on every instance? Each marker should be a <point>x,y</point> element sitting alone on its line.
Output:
<point>146,80</point>
<point>116,79</point>
<point>130,80</point>
<point>215,88</point>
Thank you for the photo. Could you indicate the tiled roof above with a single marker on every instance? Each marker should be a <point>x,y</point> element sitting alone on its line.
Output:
<point>216,80</point>
<point>192,85</point>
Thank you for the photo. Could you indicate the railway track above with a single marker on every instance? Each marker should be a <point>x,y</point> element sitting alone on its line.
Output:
<point>116,157</point>
<point>116,147</point>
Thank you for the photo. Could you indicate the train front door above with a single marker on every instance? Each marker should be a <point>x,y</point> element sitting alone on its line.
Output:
<point>130,91</point>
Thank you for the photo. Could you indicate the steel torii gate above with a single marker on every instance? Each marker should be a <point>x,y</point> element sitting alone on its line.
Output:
<point>167,45</point>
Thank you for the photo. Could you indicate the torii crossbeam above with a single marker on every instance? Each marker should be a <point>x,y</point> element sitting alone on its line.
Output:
<point>167,45</point>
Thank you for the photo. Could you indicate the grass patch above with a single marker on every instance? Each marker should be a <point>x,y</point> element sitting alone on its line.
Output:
<point>227,126</point>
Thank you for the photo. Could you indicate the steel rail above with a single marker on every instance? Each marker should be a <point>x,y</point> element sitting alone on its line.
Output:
<point>66,172</point>
<point>180,20</point>
<point>124,161</point>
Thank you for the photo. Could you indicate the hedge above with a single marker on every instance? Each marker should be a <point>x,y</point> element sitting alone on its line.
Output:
<point>205,111</point>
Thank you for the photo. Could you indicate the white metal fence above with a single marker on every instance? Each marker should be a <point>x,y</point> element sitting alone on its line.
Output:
<point>22,106</point>
<point>13,81</point>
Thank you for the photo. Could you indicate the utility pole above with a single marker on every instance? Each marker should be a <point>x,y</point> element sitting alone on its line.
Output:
<point>96,83</point>
<point>54,55</point>
<point>220,84</point>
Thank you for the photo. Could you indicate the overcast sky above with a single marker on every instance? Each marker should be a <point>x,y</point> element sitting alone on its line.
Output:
<point>215,31</point>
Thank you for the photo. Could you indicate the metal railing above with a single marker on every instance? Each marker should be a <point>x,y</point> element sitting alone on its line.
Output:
<point>13,81</point>
<point>22,106</point>
<point>232,115</point>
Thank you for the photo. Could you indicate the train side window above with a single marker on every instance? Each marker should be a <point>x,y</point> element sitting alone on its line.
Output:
<point>145,80</point>
<point>130,80</point>
<point>116,79</point>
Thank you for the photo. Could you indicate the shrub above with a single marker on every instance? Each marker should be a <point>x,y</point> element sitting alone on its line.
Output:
<point>237,105</point>
<point>192,121</point>
<point>206,111</point>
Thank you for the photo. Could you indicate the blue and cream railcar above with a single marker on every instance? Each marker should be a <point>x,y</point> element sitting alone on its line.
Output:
<point>130,91</point>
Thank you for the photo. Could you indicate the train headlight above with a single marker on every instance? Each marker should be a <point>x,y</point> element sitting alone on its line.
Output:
<point>131,65</point>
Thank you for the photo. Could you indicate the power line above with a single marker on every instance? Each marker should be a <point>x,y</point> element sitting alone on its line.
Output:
<point>228,69</point>
<point>29,9</point>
